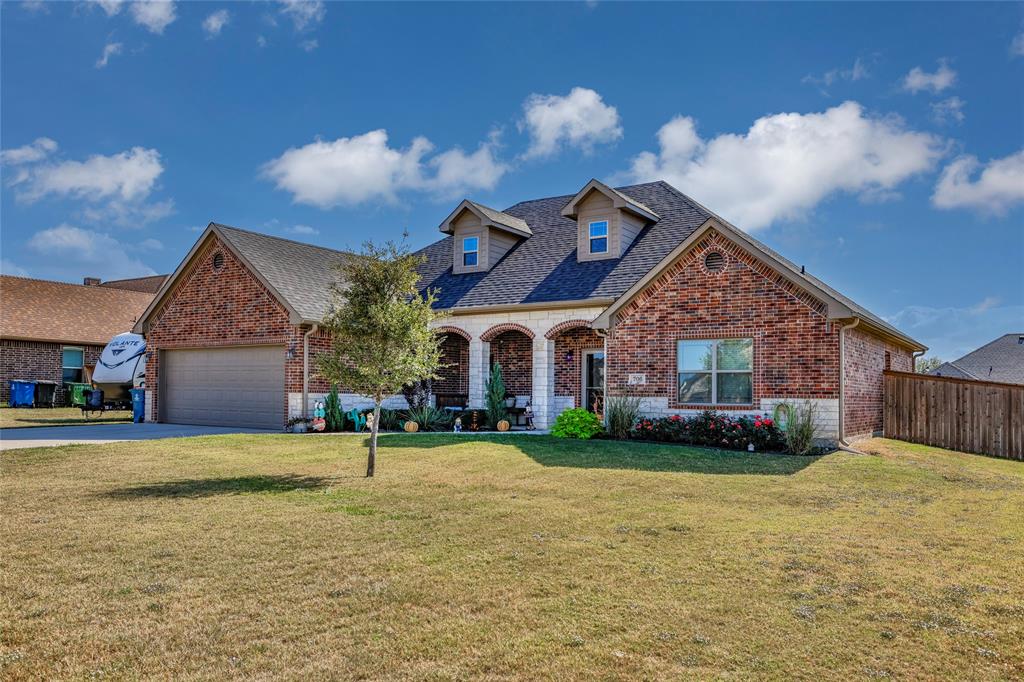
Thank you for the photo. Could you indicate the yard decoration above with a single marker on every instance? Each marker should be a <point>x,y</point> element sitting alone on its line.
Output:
<point>381,329</point>
<point>358,420</point>
<point>503,425</point>
<point>496,410</point>
<point>412,427</point>
<point>457,427</point>
<point>319,422</point>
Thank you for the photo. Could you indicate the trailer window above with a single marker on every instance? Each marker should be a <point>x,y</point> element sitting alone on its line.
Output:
<point>72,362</point>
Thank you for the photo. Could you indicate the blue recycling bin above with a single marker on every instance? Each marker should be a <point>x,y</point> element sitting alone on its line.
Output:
<point>23,393</point>
<point>138,405</point>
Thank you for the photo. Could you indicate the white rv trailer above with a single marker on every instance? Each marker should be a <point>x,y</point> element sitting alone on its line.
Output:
<point>122,366</point>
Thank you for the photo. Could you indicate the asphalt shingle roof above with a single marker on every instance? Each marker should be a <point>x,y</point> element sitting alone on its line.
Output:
<point>503,218</point>
<point>41,310</point>
<point>149,285</point>
<point>543,268</point>
<point>301,273</point>
<point>999,360</point>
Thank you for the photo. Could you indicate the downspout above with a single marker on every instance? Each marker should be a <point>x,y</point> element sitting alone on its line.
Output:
<point>913,359</point>
<point>305,369</point>
<point>604,378</point>
<point>843,445</point>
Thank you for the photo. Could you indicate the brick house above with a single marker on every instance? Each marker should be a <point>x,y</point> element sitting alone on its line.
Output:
<point>55,331</point>
<point>638,290</point>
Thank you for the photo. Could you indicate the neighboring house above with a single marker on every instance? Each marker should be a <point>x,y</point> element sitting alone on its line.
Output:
<point>54,331</point>
<point>1000,360</point>
<point>637,290</point>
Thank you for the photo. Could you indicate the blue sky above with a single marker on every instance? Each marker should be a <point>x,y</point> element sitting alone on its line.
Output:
<point>880,145</point>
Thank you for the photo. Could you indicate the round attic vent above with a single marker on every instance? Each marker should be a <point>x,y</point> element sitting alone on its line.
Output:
<point>218,260</point>
<point>714,261</point>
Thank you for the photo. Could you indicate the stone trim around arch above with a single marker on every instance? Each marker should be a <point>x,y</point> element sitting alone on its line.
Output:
<point>566,326</point>
<point>448,329</point>
<point>497,329</point>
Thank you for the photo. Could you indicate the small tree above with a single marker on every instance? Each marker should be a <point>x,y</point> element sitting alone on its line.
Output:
<point>381,329</point>
<point>333,414</point>
<point>925,365</point>
<point>496,410</point>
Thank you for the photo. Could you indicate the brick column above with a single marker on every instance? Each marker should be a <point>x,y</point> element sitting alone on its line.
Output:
<point>479,370</point>
<point>543,400</point>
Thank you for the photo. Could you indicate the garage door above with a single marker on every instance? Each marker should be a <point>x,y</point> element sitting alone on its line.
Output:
<point>241,386</point>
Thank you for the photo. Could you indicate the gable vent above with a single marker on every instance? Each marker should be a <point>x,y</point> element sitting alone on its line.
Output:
<point>714,262</point>
<point>218,261</point>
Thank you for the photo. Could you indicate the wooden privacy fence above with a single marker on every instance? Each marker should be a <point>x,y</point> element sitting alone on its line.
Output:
<point>958,414</point>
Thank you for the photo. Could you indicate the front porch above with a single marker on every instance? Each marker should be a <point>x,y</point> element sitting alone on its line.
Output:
<point>551,361</point>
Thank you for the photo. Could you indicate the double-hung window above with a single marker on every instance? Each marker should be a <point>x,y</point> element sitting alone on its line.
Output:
<point>470,251</point>
<point>599,236</point>
<point>72,362</point>
<point>716,371</point>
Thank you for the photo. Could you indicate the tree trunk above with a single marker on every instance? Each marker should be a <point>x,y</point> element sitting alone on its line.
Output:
<point>371,459</point>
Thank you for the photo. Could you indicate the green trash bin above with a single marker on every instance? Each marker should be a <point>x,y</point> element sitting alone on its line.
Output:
<point>76,393</point>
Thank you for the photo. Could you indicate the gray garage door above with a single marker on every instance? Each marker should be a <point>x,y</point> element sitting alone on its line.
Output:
<point>240,386</point>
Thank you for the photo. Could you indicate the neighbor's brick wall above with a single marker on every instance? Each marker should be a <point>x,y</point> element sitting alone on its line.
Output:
<point>569,374</point>
<point>796,350</point>
<point>514,350</point>
<point>865,361</point>
<point>229,307</point>
<point>38,360</point>
<point>453,376</point>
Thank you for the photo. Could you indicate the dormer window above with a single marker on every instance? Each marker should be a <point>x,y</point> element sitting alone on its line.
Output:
<point>470,252</point>
<point>599,236</point>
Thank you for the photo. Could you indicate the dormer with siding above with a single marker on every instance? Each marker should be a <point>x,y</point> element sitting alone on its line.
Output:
<point>607,221</point>
<point>481,236</point>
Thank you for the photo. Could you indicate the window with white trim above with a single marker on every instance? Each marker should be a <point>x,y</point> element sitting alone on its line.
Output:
<point>470,251</point>
<point>599,236</point>
<point>72,364</point>
<point>716,371</point>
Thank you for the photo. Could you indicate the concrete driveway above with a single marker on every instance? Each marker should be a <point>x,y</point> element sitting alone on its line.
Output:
<point>47,436</point>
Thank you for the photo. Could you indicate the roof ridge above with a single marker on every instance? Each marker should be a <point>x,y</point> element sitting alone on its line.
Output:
<point>283,239</point>
<point>983,347</point>
<point>75,284</point>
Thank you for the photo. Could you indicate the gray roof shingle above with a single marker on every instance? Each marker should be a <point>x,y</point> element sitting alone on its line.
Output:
<point>999,360</point>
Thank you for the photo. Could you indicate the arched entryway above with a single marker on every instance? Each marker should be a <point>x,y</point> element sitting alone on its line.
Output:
<point>579,367</point>
<point>451,387</point>
<point>513,349</point>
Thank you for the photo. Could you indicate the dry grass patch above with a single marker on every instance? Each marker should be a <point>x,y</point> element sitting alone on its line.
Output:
<point>518,557</point>
<point>22,417</point>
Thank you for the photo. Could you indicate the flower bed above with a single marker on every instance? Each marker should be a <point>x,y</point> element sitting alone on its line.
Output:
<point>713,429</point>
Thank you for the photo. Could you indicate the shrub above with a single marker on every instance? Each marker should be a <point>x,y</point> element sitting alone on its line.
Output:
<point>496,410</point>
<point>430,418</point>
<point>712,429</point>
<point>334,416</point>
<point>621,413</point>
<point>576,423</point>
<point>800,429</point>
<point>390,420</point>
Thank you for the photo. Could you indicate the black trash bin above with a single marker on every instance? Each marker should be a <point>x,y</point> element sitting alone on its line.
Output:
<point>94,399</point>
<point>46,393</point>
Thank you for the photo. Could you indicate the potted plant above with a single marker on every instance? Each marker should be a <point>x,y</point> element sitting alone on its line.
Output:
<point>298,424</point>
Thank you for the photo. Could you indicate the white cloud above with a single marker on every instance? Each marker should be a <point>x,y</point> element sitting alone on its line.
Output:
<point>127,176</point>
<point>950,110</point>
<point>10,268</point>
<point>304,13</point>
<point>919,79</point>
<point>35,6</point>
<point>261,41</point>
<point>109,50</point>
<point>999,186</point>
<point>111,7</point>
<point>154,15</point>
<point>353,170</point>
<point>302,230</point>
<point>309,45</point>
<point>580,119</point>
<point>951,332</point>
<point>1017,45</point>
<point>786,164</point>
<point>215,23</point>
<point>859,71</point>
<point>87,251</point>
<point>30,153</point>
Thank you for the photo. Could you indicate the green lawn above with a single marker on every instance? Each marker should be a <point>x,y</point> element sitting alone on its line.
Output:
<point>20,417</point>
<point>517,557</point>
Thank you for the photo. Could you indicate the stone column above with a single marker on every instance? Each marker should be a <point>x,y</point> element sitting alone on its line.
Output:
<point>543,400</point>
<point>479,369</point>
